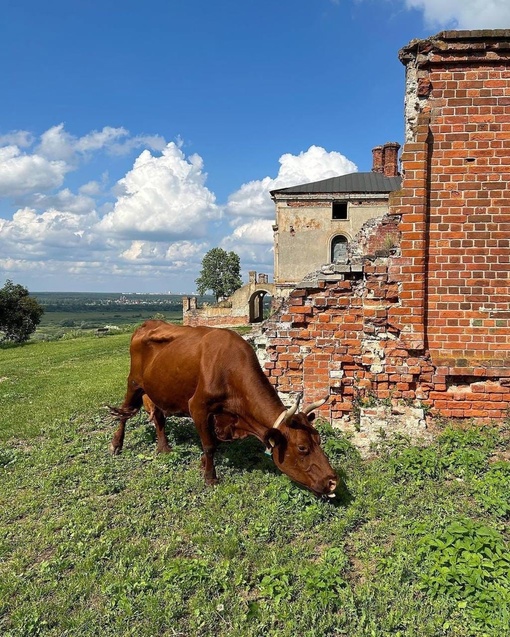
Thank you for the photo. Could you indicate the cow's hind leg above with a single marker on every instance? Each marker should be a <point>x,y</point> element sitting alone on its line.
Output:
<point>209,442</point>
<point>158,418</point>
<point>130,407</point>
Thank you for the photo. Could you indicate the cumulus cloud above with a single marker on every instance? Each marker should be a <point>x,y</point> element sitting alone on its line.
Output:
<point>21,173</point>
<point>176,255</point>
<point>464,14</point>
<point>58,144</point>
<point>64,201</point>
<point>153,219</point>
<point>253,242</point>
<point>156,223</point>
<point>257,232</point>
<point>163,196</point>
<point>253,199</point>
<point>32,234</point>
<point>20,138</point>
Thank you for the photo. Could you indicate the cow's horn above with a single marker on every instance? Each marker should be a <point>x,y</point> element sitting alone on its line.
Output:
<point>286,415</point>
<point>315,405</point>
<point>292,410</point>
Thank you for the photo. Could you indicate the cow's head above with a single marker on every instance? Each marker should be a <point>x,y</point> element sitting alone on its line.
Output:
<point>296,450</point>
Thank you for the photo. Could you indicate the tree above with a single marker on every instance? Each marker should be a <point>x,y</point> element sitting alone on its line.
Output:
<point>221,273</point>
<point>20,314</point>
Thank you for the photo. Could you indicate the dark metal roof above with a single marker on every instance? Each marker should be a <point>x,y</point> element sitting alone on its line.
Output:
<point>353,182</point>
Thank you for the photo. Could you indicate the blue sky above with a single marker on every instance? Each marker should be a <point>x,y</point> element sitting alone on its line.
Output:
<point>135,136</point>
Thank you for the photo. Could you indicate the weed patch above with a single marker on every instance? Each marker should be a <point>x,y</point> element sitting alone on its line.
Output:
<point>469,562</point>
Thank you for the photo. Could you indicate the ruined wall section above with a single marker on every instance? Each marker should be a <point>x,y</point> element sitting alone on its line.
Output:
<point>338,336</point>
<point>243,307</point>
<point>455,199</point>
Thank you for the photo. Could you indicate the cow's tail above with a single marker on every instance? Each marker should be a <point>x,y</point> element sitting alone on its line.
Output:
<point>123,413</point>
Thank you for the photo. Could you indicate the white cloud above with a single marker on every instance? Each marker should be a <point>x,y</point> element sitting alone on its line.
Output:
<point>33,233</point>
<point>148,232</point>
<point>91,188</point>
<point>464,14</point>
<point>253,242</point>
<point>21,173</point>
<point>20,138</point>
<point>257,232</point>
<point>253,199</point>
<point>57,144</point>
<point>65,201</point>
<point>163,197</point>
<point>99,139</point>
<point>178,255</point>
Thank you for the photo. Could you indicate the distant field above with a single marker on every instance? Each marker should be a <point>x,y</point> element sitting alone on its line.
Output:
<point>68,312</point>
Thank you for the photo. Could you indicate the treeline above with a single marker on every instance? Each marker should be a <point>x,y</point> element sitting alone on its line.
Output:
<point>113,308</point>
<point>79,302</point>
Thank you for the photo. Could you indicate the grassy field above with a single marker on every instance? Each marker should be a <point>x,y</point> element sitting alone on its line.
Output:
<point>415,545</point>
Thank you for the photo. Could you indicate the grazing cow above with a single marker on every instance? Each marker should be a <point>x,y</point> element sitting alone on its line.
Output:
<point>213,375</point>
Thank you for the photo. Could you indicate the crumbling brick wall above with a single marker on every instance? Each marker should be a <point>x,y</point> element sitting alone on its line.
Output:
<point>455,201</point>
<point>429,321</point>
<point>337,338</point>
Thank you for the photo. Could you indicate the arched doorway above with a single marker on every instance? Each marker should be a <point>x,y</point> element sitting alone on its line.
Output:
<point>259,305</point>
<point>339,249</point>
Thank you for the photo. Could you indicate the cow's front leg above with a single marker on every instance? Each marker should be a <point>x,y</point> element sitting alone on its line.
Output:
<point>209,443</point>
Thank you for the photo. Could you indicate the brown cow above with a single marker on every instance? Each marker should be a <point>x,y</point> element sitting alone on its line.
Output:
<point>213,375</point>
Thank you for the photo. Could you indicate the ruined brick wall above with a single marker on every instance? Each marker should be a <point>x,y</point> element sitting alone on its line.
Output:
<point>198,318</point>
<point>337,338</point>
<point>455,201</point>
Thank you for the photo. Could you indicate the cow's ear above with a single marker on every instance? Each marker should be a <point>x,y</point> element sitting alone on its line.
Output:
<point>273,438</point>
<point>311,417</point>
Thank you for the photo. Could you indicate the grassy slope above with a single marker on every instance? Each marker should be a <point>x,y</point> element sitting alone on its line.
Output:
<point>47,382</point>
<point>136,545</point>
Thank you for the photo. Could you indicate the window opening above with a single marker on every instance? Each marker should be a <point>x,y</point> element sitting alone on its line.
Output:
<point>339,210</point>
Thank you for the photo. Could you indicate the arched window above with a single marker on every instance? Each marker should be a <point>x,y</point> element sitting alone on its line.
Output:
<point>339,249</point>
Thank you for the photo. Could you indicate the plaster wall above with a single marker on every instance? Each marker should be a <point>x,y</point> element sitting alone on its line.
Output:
<point>305,230</point>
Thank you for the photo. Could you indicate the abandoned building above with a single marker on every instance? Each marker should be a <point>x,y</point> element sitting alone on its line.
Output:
<point>315,222</point>
<point>425,328</point>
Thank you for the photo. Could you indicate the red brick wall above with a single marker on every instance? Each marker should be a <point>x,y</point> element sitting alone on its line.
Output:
<point>196,318</point>
<point>432,322</point>
<point>455,201</point>
<point>338,339</point>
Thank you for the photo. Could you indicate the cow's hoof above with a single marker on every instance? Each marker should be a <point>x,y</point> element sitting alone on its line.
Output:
<point>115,450</point>
<point>211,482</point>
<point>166,449</point>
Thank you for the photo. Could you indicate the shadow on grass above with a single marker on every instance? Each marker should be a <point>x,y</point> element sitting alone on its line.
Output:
<point>245,455</point>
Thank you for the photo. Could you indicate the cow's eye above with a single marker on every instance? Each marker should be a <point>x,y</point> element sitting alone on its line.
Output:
<point>302,449</point>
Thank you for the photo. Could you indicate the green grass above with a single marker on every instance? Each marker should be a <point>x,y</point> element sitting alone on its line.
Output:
<point>45,384</point>
<point>137,545</point>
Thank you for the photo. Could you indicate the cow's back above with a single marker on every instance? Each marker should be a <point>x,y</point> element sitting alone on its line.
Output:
<point>171,361</point>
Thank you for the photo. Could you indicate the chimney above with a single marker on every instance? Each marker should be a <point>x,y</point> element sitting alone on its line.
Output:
<point>390,159</point>
<point>377,163</point>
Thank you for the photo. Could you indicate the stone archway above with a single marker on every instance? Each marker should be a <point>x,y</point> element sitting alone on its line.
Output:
<point>256,306</point>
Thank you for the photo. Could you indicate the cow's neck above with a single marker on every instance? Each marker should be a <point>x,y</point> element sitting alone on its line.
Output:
<point>259,412</point>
